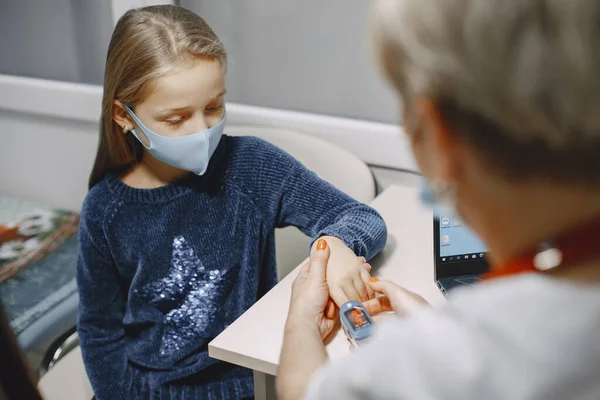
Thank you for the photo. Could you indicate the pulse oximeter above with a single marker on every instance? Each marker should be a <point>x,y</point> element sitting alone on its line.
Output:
<point>357,323</point>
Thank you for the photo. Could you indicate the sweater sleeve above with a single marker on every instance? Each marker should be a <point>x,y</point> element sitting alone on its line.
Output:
<point>101,310</point>
<point>293,195</point>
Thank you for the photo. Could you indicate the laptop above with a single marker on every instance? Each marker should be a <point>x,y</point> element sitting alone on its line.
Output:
<point>460,256</point>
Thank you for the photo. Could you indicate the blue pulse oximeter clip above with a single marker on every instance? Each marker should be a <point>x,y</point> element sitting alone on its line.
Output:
<point>357,323</point>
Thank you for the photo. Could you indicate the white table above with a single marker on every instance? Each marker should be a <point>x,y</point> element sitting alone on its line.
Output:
<point>254,340</point>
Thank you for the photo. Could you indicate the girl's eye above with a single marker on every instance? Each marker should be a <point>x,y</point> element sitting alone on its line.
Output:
<point>174,122</point>
<point>215,108</point>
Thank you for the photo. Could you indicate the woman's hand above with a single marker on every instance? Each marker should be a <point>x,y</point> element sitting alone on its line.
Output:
<point>347,275</point>
<point>310,293</point>
<point>395,298</point>
<point>303,351</point>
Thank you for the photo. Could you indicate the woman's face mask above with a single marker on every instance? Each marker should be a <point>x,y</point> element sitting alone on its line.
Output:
<point>430,199</point>
<point>189,153</point>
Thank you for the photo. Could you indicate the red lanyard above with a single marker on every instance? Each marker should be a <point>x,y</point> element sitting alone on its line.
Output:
<point>575,246</point>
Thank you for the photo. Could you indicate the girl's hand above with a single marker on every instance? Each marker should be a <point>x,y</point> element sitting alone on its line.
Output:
<point>395,298</point>
<point>347,275</point>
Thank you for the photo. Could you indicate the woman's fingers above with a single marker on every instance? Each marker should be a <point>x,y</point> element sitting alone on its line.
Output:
<point>388,288</point>
<point>330,310</point>
<point>302,275</point>
<point>401,300</point>
<point>318,262</point>
<point>367,267</point>
<point>326,327</point>
<point>378,305</point>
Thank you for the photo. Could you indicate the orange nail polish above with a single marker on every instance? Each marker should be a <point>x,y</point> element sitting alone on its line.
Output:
<point>373,279</point>
<point>321,244</point>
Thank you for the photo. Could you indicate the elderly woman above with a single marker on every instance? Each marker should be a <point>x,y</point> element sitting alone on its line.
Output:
<point>502,108</point>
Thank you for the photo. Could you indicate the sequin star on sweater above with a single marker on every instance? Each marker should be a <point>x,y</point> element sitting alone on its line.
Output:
<point>163,271</point>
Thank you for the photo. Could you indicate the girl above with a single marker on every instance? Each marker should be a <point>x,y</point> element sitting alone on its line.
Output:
<point>177,231</point>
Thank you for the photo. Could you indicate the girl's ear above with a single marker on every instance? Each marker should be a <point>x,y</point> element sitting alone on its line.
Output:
<point>121,116</point>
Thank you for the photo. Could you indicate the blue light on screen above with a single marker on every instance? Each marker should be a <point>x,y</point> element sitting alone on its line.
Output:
<point>457,239</point>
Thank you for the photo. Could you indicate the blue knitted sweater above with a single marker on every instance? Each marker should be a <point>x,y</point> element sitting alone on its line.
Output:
<point>163,271</point>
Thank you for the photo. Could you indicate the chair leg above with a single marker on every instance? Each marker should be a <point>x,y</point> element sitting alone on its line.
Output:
<point>58,349</point>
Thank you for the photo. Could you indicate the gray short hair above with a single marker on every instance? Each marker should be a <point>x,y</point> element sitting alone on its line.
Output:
<point>520,77</point>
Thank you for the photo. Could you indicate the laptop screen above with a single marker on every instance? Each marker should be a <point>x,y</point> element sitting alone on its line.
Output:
<point>458,250</point>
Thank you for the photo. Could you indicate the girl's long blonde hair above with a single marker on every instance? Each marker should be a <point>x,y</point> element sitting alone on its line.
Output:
<point>144,46</point>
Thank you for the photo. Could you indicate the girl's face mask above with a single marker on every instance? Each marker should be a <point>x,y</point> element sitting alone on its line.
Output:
<point>189,153</point>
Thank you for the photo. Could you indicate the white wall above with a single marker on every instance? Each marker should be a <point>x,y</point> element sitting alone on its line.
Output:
<point>92,27</point>
<point>59,39</point>
<point>309,55</point>
<point>46,159</point>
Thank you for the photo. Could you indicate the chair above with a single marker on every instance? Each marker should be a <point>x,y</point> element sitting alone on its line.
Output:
<point>67,379</point>
<point>337,166</point>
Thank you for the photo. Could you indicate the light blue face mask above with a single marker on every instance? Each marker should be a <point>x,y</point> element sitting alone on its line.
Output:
<point>189,153</point>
